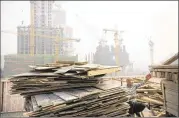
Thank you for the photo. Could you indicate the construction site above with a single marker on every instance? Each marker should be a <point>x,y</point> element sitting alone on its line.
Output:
<point>65,67</point>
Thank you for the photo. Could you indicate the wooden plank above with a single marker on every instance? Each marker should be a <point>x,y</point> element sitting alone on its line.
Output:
<point>63,70</point>
<point>65,96</point>
<point>170,85</point>
<point>90,66</point>
<point>159,74</point>
<point>175,78</point>
<point>171,96</point>
<point>165,70</point>
<point>163,93</point>
<point>152,100</point>
<point>172,106</point>
<point>170,60</point>
<point>148,90</point>
<point>164,67</point>
<point>172,111</point>
<point>55,99</point>
<point>42,68</point>
<point>34,104</point>
<point>92,89</point>
<point>71,62</point>
<point>30,74</point>
<point>166,74</point>
<point>79,93</point>
<point>102,71</point>
<point>42,100</point>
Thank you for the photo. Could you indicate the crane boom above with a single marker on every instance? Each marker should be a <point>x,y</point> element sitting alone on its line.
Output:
<point>44,36</point>
<point>112,30</point>
<point>57,39</point>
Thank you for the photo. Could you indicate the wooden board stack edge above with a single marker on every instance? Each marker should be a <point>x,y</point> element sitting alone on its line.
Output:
<point>170,60</point>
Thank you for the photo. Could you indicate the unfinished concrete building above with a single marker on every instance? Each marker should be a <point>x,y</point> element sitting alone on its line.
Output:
<point>43,45</point>
<point>44,48</point>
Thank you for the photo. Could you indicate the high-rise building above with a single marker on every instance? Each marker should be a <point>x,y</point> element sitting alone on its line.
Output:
<point>42,13</point>
<point>47,22</point>
<point>43,45</point>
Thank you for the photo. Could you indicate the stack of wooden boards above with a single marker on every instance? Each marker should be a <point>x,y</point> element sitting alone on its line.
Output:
<point>151,93</point>
<point>87,102</point>
<point>169,71</point>
<point>50,77</point>
<point>70,89</point>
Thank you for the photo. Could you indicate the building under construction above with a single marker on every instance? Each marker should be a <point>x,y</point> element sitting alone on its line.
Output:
<point>45,30</point>
<point>43,45</point>
<point>47,26</point>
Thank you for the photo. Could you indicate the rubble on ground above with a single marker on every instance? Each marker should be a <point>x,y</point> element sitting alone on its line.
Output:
<point>70,89</point>
<point>151,93</point>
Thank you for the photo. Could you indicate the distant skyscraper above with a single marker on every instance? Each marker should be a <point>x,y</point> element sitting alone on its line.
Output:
<point>42,13</point>
<point>42,20</point>
<point>46,23</point>
<point>43,45</point>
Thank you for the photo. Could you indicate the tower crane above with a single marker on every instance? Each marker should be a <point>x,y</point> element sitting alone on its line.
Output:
<point>32,35</point>
<point>57,39</point>
<point>116,41</point>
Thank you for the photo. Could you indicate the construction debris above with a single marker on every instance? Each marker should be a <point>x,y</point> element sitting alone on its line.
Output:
<point>151,93</point>
<point>50,78</point>
<point>70,89</point>
<point>87,102</point>
<point>169,85</point>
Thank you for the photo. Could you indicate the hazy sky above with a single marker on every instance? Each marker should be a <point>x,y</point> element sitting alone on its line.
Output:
<point>139,20</point>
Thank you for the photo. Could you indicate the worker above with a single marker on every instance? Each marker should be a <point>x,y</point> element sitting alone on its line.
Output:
<point>135,107</point>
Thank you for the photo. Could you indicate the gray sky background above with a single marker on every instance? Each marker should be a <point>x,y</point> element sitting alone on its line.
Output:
<point>139,20</point>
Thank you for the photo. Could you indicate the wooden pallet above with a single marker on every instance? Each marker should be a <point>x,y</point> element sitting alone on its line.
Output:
<point>170,93</point>
<point>169,84</point>
<point>170,72</point>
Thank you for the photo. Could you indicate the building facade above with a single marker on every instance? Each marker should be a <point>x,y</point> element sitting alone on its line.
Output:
<point>48,23</point>
<point>42,13</point>
<point>44,40</point>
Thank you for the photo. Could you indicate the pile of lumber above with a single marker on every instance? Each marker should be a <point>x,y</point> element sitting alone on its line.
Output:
<point>70,89</point>
<point>151,93</point>
<point>87,102</point>
<point>50,77</point>
<point>169,72</point>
